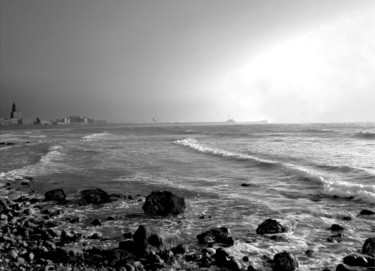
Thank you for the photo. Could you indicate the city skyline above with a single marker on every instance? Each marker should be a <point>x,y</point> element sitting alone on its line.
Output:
<point>127,61</point>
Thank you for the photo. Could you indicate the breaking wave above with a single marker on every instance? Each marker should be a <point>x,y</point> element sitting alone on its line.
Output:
<point>95,136</point>
<point>331,187</point>
<point>48,163</point>
<point>195,145</point>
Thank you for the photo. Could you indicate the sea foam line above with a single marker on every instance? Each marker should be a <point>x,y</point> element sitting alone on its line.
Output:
<point>48,163</point>
<point>95,136</point>
<point>331,187</point>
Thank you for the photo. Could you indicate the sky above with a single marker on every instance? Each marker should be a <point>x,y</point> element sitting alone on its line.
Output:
<point>190,60</point>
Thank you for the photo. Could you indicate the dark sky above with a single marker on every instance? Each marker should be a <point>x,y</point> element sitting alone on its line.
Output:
<point>121,60</point>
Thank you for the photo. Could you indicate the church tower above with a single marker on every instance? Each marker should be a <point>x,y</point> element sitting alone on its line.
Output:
<point>14,110</point>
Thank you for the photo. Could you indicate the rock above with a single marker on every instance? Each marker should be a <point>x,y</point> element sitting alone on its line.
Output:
<point>309,253</point>
<point>369,246</point>
<point>4,206</point>
<point>270,226</point>
<point>180,249</point>
<point>251,268</point>
<point>147,239</point>
<point>163,203</point>
<point>221,257</point>
<point>336,227</point>
<point>94,196</point>
<point>216,235</point>
<point>285,261</point>
<point>347,218</point>
<point>69,236</point>
<point>342,267</point>
<point>366,212</point>
<point>127,245</point>
<point>12,254</point>
<point>245,184</point>
<point>356,260</point>
<point>127,235</point>
<point>96,222</point>
<point>55,195</point>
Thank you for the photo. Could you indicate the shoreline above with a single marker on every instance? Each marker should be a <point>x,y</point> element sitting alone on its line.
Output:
<point>58,246</point>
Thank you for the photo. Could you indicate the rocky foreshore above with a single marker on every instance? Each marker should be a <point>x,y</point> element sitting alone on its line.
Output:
<point>31,239</point>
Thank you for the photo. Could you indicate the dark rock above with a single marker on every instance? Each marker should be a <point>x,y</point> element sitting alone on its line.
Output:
<point>55,195</point>
<point>147,239</point>
<point>94,196</point>
<point>369,246</point>
<point>221,257</point>
<point>366,212</point>
<point>270,226</point>
<point>342,267</point>
<point>4,206</point>
<point>245,184</point>
<point>127,244</point>
<point>216,235</point>
<point>119,256</point>
<point>193,257</point>
<point>251,268</point>
<point>127,235</point>
<point>96,222</point>
<point>163,203</point>
<point>110,218</point>
<point>309,253</point>
<point>245,259</point>
<point>69,236</point>
<point>209,251</point>
<point>356,260</point>
<point>336,227</point>
<point>234,264</point>
<point>95,235</point>
<point>180,249</point>
<point>285,261</point>
<point>347,218</point>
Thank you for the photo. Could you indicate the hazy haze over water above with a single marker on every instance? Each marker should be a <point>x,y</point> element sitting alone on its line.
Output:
<point>285,61</point>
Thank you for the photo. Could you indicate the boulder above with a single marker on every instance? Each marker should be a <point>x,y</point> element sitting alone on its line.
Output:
<point>148,239</point>
<point>336,227</point>
<point>94,196</point>
<point>55,195</point>
<point>270,226</point>
<point>369,246</point>
<point>356,260</point>
<point>216,235</point>
<point>163,203</point>
<point>342,267</point>
<point>285,261</point>
<point>366,212</point>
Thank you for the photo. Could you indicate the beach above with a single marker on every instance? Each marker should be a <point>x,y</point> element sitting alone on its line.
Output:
<point>307,177</point>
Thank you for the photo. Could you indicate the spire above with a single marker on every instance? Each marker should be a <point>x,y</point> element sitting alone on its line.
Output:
<point>13,110</point>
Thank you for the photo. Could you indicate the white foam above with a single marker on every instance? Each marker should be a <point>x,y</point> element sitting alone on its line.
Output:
<point>345,189</point>
<point>195,145</point>
<point>95,136</point>
<point>49,163</point>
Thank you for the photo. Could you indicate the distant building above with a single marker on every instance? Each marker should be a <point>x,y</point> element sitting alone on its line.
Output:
<point>15,116</point>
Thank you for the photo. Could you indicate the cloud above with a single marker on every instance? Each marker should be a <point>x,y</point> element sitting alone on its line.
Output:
<point>326,74</point>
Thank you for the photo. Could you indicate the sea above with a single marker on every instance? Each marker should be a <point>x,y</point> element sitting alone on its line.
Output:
<point>306,176</point>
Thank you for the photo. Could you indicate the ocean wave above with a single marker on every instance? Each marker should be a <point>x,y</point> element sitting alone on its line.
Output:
<point>365,135</point>
<point>360,192</point>
<point>48,163</point>
<point>95,136</point>
<point>312,130</point>
<point>197,146</point>
<point>340,188</point>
